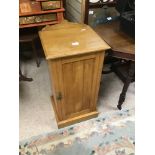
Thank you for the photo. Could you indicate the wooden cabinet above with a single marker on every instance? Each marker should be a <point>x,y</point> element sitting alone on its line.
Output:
<point>75,74</point>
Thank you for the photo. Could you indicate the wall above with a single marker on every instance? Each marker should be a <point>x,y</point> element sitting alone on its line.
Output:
<point>75,10</point>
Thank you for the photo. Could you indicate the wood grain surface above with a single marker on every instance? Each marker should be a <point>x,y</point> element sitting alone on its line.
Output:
<point>70,39</point>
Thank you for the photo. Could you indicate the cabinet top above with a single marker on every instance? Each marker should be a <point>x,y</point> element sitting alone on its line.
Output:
<point>67,39</point>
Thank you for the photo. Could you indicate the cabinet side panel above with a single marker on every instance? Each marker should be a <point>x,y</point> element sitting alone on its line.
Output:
<point>88,80</point>
<point>97,78</point>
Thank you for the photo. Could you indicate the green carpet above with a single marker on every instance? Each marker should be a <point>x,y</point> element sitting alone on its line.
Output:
<point>109,134</point>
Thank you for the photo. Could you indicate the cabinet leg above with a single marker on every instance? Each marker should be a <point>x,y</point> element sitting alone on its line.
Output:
<point>126,85</point>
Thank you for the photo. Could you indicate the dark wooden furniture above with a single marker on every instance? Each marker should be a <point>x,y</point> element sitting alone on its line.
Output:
<point>100,4</point>
<point>32,9</point>
<point>29,37</point>
<point>122,46</point>
<point>23,77</point>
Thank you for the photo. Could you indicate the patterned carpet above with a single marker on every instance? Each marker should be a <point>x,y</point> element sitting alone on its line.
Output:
<point>109,134</point>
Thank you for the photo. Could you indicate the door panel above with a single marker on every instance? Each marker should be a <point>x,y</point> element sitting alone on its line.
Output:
<point>77,80</point>
<point>73,87</point>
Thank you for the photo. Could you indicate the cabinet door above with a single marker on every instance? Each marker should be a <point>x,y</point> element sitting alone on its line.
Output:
<point>80,77</point>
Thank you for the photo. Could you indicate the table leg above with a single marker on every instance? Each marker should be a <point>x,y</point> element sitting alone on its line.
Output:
<point>23,78</point>
<point>126,84</point>
<point>35,54</point>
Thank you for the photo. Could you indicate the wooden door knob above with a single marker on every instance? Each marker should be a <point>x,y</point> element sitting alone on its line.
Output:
<point>59,96</point>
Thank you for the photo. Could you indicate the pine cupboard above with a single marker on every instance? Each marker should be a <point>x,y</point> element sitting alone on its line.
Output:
<point>75,55</point>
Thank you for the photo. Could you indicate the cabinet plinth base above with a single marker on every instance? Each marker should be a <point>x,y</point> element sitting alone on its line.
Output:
<point>73,120</point>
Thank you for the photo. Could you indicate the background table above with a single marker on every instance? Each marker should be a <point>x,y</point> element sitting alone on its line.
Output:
<point>122,46</point>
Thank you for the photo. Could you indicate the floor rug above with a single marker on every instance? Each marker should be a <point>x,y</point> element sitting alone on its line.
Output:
<point>109,134</point>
